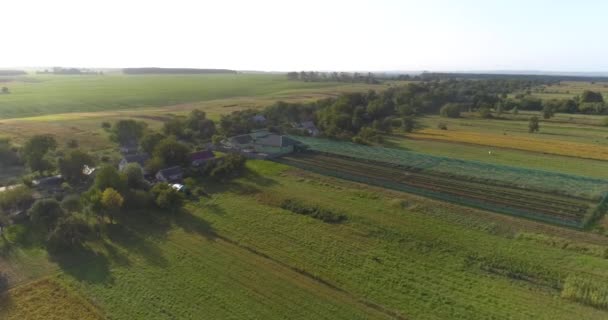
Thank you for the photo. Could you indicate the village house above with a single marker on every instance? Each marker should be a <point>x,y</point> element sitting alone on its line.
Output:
<point>134,158</point>
<point>170,175</point>
<point>261,141</point>
<point>201,157</point>
<point>307,126</point>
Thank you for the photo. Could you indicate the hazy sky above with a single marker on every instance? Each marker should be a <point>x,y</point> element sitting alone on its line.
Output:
<point>558,35</point>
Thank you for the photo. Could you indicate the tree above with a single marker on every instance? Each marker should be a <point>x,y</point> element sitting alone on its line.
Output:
<point>450,110</point>
<point>135,176</point>
<point>150,140</point>
<point>591,96</point>
<point>108,177</point>
<point>485,113</point>
<point>292,76</point>
<point>69,233</point>
<point>198,123</point>
<point>166,197</point>
<point>548,111</point>
<point>111,201</point>
<point>533,125</point>
<point>125,131</point>
<point>172,152</point>
<point>46,213</point>
<point>35,149</point>
<point>408,123</point>
<point>174,126</point>
<point>8,156</point>
<point>71,166</point>
<point>71,203</point>
<point>217,139</point>
<point>16,198</point>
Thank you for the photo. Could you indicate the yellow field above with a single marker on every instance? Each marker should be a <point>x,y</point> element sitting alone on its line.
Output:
<point>45,300</point>
<point>566,148</point>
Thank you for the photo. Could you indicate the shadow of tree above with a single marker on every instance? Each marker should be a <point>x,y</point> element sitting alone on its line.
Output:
<point>194,224</point>
<point>258,179</point>
<point>131,239</point>
<point>84,264</point>
<point>6,304</point>
<point>115,255</point>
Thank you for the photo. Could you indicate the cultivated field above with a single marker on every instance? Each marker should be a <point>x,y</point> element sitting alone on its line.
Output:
<point>550,197</point>
<point>48,94</point>
<point>239,255</point>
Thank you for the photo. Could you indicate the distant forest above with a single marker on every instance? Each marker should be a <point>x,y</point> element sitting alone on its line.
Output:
<point>428,76</point>
<point>175,71</point>
<point>12,73</point>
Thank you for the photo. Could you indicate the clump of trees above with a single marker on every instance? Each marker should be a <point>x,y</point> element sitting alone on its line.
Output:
<point>8,153</point>
<point>533,125</point>
<point>226,167</point>
<point>35,150</point>
<point>450,110</point>
<point>194,126</point>
<point>313,211</point>
<point>127,131</point>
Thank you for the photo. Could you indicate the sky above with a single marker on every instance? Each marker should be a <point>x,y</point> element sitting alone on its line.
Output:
<point>275,35</point>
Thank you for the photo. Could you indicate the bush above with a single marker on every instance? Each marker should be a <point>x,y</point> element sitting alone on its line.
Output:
<point>450,110</point>
<point>485,113</point>
<point>70,232</point>
<point>16,234</point>
<point>166,197</point>
<point>312,211</point>
<point>442,126</point>
<point>106,125</point>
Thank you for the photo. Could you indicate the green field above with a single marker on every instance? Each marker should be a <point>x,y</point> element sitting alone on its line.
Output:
<point>41,95</point>
<point>237,255</point>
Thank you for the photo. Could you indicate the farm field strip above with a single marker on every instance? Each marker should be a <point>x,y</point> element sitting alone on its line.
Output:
<point>507,176</point>
<point>565,148</point>
<point>511,201</point>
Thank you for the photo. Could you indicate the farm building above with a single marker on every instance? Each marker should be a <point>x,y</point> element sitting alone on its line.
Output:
<point>307,126</point>
<point>261,141</point>
<point>172,174</point>
<point>133,158</point>
<point>201,157</point>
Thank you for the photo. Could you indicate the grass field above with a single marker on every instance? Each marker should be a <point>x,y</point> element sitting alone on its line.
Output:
<point>41,95</point>
<point>238,255</point>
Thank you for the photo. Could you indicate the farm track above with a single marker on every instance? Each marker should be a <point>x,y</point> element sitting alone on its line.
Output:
<point>561,210</point>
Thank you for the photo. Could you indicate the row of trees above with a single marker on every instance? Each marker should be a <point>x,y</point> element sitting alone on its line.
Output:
<point>315,76</point>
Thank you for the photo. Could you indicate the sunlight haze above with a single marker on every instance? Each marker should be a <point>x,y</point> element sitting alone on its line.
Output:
<point>309,35</point>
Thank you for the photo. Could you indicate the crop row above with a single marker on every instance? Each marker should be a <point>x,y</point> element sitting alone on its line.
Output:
<point>543,206</point>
